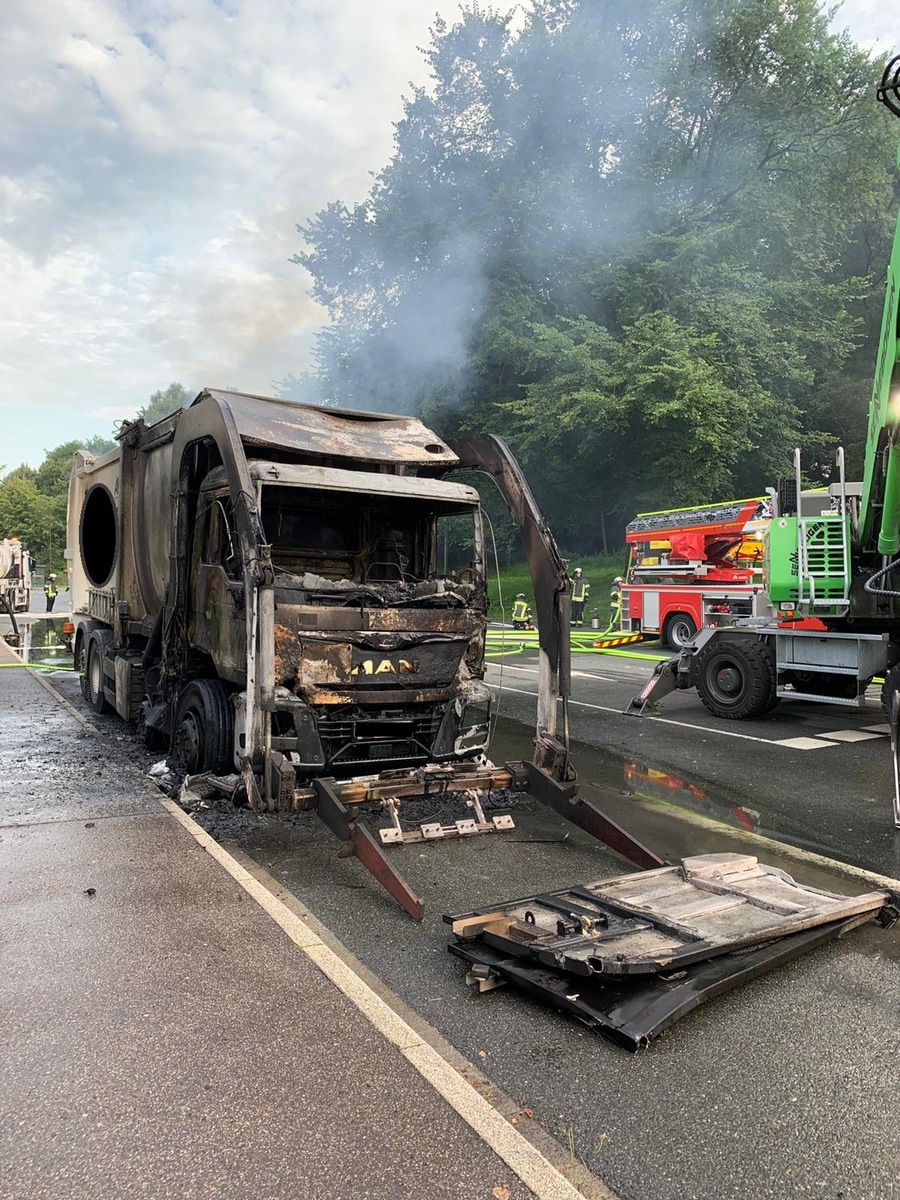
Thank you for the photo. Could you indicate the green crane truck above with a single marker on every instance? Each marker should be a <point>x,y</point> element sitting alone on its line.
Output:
<point>831,568</point>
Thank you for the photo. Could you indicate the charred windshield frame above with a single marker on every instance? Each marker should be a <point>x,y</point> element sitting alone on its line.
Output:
<point>367,539</point>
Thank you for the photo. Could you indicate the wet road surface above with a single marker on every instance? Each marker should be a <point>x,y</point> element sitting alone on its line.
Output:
<point>775,1090</point>
<point>812,774</point>
<point>161,1036</point>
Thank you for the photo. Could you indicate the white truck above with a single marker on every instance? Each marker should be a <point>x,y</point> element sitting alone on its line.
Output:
<point>15,575</point>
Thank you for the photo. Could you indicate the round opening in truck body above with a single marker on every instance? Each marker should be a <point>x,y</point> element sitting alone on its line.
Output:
<point>98,535</point>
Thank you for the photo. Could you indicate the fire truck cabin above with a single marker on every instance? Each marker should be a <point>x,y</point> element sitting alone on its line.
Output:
<point>692,567</point>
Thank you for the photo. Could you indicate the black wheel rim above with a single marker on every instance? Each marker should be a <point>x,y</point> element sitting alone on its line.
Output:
<point>726,680</point>
<point>189,742</point>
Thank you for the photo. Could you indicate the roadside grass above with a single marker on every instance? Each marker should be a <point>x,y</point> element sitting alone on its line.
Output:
<point>599,570</point>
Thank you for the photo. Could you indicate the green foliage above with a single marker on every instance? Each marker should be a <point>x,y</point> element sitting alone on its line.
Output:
<point>36,518</point>
<point>164,402</point>
<point>643,242</point>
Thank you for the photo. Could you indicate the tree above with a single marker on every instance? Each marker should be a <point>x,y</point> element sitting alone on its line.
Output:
<point>164,402</point>
<point>641,241</point>
<point>52,476</point>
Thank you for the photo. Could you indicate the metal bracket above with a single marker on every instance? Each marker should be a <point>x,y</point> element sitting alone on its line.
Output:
<point>430,831</point>
<point>661,683</point>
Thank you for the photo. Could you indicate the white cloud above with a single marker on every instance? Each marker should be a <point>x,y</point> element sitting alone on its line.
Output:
<point>155,157</point>
<point>872,23</point>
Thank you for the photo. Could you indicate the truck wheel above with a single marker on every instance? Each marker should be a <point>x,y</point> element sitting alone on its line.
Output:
<point>891,684</point>
<point>736,679</point>
<point>842,687</point>
<point>678,629</point>
<point>81,665</point>
<point>204,729</point>
<point>93,678</point>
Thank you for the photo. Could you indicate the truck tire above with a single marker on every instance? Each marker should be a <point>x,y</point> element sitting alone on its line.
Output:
<point>736,679</point>
<point>891,684</point>
<point>204,729</point>
<point>842,687</point>
<point>92,687</point>
<point>678,629</point>
<point>80,663</point>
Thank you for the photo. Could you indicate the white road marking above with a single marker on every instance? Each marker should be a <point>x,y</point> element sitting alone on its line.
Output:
<point>850,735</point>
<point>804,743</point>
<point>818,742</point>
<point>535,1171</point>
<point>745,737</point>
<point>575,674</point>
<point>766,845</point>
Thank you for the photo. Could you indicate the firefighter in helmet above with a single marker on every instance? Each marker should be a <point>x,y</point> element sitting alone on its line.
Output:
<point>521,613</point>
<point>50,591</point>
<point>580,591</point>
<point>615,604</point>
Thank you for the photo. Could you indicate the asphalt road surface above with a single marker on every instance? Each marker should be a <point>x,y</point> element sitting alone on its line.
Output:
<point>817,775</point>
<point>779,1089</point>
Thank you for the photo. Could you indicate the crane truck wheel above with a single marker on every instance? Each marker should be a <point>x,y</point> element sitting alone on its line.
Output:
<point>891,684</point>
<point>678,629</point>
<point>841,687</point>
<point>204,729</point>
<point>736,679</point>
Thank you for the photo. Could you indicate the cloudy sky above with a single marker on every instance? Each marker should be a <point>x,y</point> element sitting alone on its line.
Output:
<point>155,157</point>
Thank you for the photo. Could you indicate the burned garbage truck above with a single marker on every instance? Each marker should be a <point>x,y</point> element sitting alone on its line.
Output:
<point>296,594</point>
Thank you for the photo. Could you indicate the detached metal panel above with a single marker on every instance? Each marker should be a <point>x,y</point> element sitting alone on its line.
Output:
<point>639,924</point>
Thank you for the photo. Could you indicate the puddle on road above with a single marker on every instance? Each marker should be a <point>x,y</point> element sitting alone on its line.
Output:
<point>640,796</point>
<point>43,642</point>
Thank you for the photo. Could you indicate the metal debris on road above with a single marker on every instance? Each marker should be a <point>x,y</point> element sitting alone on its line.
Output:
<point>631,955</point>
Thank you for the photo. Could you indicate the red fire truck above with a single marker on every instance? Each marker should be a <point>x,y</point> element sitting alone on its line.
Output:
<point>691,567</point>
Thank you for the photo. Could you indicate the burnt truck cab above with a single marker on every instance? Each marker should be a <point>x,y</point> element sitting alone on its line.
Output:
<point>295,591</point>
<point>374,652</point>
<point>297,594</point>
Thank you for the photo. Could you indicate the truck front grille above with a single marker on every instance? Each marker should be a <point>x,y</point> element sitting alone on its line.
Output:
<point>388,737</point>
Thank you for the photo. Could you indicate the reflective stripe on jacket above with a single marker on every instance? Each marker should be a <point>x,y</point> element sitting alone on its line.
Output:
<point>580,589</point>
<point>520,611</point>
